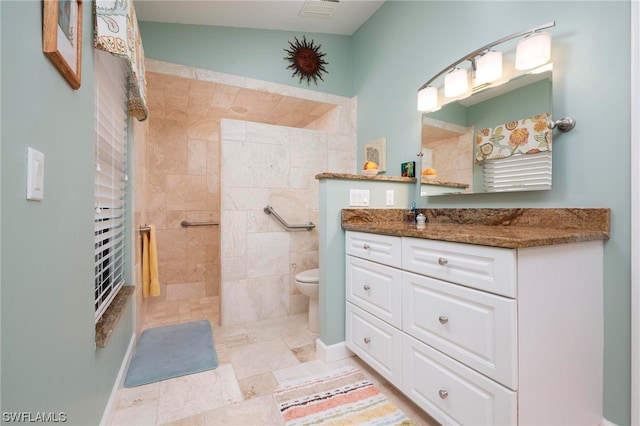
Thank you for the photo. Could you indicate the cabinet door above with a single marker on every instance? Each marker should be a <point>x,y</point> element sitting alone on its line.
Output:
<point>474,327</point>
<point>376,342</point>
<point>452,393</point>
<point>375,288</point>
<point>383,249</point>
<point>490,269</point>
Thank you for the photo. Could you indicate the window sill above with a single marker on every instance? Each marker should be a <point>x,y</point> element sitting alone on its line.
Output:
<point>112,315</point>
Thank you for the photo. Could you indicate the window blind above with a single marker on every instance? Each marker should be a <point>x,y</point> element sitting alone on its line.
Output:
<point>110,178</point>
<point>528,172</point>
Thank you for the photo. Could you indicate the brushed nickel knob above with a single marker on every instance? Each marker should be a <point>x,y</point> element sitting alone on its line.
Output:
<point>442,261</point>
<point>367,340</point>
<point>442,319</point>
<point>443,393</point>
<point>366,246</point>
<point>367,287</point>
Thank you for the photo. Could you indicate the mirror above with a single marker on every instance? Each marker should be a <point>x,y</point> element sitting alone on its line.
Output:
<point>448,142</point>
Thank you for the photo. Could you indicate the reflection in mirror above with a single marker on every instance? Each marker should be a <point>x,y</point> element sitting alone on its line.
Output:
<point>461,140</point>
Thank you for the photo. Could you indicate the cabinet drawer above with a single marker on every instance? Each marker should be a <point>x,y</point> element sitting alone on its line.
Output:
<point>452,393</point>
<point>375,288</point>
<point>376,342</point>
<point>378,248</point>
<point>490,269</point>
<point>474,327</point>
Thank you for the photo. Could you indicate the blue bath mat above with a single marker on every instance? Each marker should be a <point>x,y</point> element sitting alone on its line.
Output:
<point>172,351</point>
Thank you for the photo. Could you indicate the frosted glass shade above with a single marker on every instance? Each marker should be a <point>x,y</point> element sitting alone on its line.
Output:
<point>428,99</point>
<point>456,83</point>
<point>488,67</point>
<point>533,51</point>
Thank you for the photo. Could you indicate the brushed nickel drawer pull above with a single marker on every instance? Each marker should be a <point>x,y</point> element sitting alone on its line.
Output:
<point>367,287</point>
<point>366,246</point>
<point>443,393</point>
<point>442,319</point>
<point>367,340</point>
<point>442,261</point>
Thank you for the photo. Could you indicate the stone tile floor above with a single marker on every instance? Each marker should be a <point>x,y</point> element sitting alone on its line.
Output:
<point>254,358</point>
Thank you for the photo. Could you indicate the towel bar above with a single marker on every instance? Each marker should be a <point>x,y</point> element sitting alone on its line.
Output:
<point>184,223</point>
<point>144,229</point>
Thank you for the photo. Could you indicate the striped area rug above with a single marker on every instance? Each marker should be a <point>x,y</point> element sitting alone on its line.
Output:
<point>339,397</point>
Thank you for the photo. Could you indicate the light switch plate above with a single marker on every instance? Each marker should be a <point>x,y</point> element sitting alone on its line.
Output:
<point>35,174</point>
<point>359,197</point>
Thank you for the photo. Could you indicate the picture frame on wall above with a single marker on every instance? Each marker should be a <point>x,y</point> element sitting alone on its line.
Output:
<point>376,151</point>
<point>408,169</point>
<point>62,37</point>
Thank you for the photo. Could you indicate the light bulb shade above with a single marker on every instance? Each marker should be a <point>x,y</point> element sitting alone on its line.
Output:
<point>428,99</point>
<point>456,83</point>
<point>488,67</point>
<point>533,50</point>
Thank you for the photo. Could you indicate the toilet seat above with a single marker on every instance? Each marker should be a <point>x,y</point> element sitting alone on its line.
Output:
<point>309,276</point>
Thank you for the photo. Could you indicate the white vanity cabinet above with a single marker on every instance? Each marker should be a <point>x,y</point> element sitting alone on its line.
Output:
<point>481,335</point>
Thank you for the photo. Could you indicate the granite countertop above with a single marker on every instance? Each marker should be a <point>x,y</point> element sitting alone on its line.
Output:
<point>330,175</point>
<point>507,228</point>
<point>384,178</point>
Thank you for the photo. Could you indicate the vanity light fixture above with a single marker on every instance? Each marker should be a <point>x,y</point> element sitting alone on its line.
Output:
<point>428,99</point>
<point>533,50</point>
<point>488,67</point>
<point>484,62</point>
<point>456,82</point>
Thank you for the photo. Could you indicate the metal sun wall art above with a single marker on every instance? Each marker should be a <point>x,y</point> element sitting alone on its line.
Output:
<point>306,60</point>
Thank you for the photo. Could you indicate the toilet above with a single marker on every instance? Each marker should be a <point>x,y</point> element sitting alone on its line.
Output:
<point>307,283</point>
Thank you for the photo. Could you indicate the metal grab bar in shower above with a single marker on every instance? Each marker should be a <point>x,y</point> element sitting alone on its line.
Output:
<point>308,226</point>
<point>184,223</point>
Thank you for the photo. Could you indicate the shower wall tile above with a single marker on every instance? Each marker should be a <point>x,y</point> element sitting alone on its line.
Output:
<point>196,157</point>
<point>185,291</point>
<point>184,192</point>
<point>265,162</point>
<point>234,269</point>
<point>234,237</point>
<point>268,254</point>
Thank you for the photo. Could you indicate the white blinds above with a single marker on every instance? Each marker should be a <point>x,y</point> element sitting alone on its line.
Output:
<point>528,172</point>
<point>110,178</point>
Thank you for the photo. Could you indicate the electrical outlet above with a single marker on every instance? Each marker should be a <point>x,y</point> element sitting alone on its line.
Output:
<point>390,196</point>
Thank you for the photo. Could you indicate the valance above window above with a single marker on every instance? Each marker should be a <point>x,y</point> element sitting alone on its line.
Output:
<point>116,32</point>
<point>526,136</point>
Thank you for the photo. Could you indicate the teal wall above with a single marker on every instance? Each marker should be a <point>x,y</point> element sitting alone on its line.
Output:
<point>405,43</point>
<point>249,53</point>
<point>49,360</point>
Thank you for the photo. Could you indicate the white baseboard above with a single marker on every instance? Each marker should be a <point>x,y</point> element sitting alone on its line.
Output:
<point>109,410</point>
<point>606,422</point>
<point>332,353</point>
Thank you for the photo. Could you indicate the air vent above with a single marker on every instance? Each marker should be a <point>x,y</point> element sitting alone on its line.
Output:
<point>319,8</point>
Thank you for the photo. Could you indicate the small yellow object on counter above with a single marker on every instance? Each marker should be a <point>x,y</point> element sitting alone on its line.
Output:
<point>370,165</point>
<point>429,172</point>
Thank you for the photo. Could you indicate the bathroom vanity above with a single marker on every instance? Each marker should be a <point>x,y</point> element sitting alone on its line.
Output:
<point>482,323</point>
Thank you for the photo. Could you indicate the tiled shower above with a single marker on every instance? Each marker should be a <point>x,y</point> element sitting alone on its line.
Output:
<point>219,148</point>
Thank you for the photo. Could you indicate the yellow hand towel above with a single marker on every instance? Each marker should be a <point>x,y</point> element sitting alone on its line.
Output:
<point>154,284</point>
<point>145,264</point>
<point>150,283</point>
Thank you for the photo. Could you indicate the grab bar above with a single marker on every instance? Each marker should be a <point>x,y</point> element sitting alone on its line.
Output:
<point>308,226</point>
<point>184,223</point>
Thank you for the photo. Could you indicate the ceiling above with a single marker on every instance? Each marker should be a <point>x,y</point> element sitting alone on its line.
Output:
<point>346,16</point>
